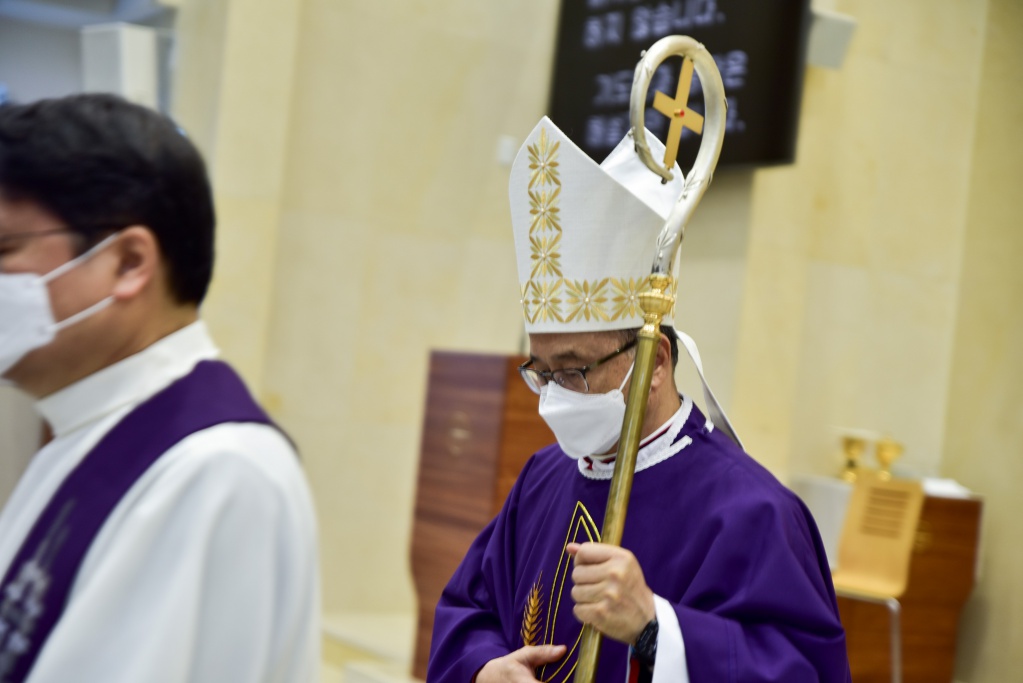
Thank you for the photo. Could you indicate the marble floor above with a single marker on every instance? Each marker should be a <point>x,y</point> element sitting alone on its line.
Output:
<point>367,648</point>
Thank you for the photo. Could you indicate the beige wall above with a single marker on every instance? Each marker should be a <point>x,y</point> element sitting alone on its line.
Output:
<point>883,289</point>
<point>854,254</point>
<point>369,225</point>
<point>984,429</point>
<point>20,431</point>
<point>233,95</point>
<point>392,241</point>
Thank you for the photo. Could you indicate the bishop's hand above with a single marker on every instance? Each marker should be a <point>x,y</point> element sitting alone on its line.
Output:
<point>610,592</point>
<point>519,666</point>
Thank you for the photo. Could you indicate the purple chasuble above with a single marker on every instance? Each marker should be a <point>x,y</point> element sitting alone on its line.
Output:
<point>39,580</point>
<point>736,553</point>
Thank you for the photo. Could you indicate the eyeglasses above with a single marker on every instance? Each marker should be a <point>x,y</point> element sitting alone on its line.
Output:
<point>573,379</point>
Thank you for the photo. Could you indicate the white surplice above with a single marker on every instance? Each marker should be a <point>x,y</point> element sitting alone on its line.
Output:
<point>207,569</point>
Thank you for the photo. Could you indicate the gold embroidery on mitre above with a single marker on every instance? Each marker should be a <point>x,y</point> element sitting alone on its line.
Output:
<point>546,300</point>
<point>587,299</point>
<point>543,161</point>
<point>543,207</point>
<point>626,300</point>
<point>581,528</point>
<point>546,257</point>
<point>541,295</point>
<point>531,614</point>
<point>524,300</point>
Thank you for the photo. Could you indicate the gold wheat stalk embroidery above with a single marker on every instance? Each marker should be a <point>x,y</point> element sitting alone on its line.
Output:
<point>531,614</point>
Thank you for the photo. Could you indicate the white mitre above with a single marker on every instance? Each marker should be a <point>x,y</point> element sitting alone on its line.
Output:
<point>585,234</point>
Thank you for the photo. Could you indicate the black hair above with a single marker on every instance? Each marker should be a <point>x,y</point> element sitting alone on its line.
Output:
<point>626,336</point>
<point>100,163</point>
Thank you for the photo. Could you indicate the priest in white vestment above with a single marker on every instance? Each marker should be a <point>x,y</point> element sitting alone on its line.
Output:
<point>166,532</point>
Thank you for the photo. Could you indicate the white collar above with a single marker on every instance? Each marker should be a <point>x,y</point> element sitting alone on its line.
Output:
<point>656,449</point>
<point>128,381</point>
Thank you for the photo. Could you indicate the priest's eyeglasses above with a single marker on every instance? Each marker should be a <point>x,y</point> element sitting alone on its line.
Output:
<point>573,379</point>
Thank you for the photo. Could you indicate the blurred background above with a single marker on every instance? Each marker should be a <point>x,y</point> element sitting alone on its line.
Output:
<point>360,154</point>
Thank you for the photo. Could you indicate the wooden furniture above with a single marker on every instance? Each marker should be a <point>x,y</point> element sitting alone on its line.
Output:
<point>942,572</point>
<point>480,427</point>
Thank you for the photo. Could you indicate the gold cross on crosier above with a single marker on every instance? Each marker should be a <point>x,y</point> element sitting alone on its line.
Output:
<point>680,114</point>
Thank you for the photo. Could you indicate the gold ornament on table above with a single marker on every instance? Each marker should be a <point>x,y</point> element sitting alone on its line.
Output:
<point>852,449</point>
<point>887,451</point>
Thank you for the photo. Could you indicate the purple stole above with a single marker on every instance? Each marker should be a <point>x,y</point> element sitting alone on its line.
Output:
<point>37,584</point>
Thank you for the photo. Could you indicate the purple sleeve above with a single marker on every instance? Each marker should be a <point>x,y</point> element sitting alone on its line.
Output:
<point>762,607</point>
<point>467,627</point>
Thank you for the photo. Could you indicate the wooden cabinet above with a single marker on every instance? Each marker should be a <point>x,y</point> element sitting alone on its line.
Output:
<point>480,427</point>
<point>942,571</point>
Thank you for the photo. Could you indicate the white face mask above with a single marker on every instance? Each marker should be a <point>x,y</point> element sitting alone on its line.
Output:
<point>584,424</point>
<point>26,316</point>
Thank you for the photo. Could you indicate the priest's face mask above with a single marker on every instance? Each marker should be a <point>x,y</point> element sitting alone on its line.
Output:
<point>580,382</point>
<point>37,254</point>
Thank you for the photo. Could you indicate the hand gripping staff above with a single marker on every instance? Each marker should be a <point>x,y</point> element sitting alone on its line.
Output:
<point>658,300</point>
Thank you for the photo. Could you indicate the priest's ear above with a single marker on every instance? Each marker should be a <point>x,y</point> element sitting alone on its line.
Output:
<point>139,266</point>
<point>666,358</point>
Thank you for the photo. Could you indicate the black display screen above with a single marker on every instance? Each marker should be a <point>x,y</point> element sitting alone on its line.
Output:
<point>758,45</point>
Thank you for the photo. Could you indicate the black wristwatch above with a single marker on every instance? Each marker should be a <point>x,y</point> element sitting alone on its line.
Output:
<point>645,646</point>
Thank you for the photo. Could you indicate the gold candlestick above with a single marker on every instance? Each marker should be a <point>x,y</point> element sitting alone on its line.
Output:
<point>852,449</point>
<point>887,451</point>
